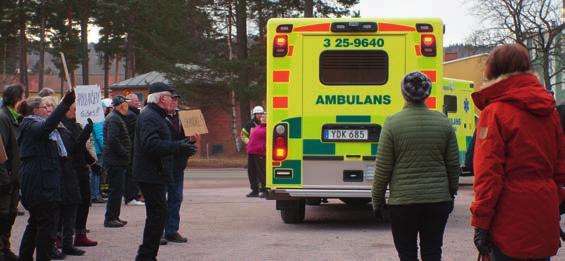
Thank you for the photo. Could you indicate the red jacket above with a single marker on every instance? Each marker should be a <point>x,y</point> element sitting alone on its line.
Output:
<point>517,152</point>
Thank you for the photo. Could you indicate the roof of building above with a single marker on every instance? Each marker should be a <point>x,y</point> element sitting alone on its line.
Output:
<point>466,58</point>
<point>141,81</point>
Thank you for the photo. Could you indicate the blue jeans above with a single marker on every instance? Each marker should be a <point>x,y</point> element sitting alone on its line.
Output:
<point>94,186</point>
<point>174,201</point>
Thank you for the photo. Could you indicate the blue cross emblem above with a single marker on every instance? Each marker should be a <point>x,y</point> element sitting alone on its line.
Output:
<point>466,105</point>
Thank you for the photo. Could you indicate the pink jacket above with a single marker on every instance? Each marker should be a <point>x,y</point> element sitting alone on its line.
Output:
<point>257,141</point>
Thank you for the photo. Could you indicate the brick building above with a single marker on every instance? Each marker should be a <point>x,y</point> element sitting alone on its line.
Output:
<point>214,104</point>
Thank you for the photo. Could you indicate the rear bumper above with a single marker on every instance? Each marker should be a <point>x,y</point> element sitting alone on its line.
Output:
<point>289,194</point>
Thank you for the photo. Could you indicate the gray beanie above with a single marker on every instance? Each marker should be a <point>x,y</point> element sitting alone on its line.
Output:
<point>416,87</point>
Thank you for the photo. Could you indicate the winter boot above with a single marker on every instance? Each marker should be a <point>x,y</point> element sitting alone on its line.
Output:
<point>82,240</point>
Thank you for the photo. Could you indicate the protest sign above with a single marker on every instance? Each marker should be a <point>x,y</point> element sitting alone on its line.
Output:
<point>193,122</point>
<point>88,104</point>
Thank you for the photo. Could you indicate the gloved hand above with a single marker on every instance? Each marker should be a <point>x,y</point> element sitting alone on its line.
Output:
<point>378,214</point>
<point>69,98</point>
<point>88,127</point>
<point>96,169</point>
<point>187,147</point>
<point>482,241</point>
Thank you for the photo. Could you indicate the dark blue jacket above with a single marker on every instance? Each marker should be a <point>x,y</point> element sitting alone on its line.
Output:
<point>154,147</point>
<point>177,132</point>
<point>41,166</point>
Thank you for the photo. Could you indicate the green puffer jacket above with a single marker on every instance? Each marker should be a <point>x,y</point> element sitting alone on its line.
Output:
<point>417,158</point>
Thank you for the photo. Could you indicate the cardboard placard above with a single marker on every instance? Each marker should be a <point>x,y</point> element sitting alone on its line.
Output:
<point>193,122</point>
<point>3,154</point>
<point>88,104</point>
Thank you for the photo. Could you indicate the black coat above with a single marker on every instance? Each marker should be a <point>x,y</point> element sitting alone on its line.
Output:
<point>41,166</point>
<point>9,132</point>
<point>154,147</point>
<point>75,164</point>
<point>131,119</point>
<point>117,144</point>
<point>177,132</point>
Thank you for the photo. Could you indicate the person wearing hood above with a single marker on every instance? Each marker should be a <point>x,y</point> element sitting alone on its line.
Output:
<point>418,160</point>
<point>518,153</point>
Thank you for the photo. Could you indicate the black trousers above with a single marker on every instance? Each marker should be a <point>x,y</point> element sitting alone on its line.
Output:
<point>256,172</point>
<point>497,255</point>
<point>9,198</point>
<point>427,220</point>
<point>156,211</point>
<point>116,179</point>
<point>131,190</point>
<point>84,207</point>
<point>37,234</point>
<point>65,220</point>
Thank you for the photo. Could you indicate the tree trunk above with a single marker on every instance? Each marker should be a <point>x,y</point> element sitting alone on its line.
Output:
<point>23,47</point>
<point>70,31</point>
<point>84,42</point>
<point>243,76</point>
<point>41,44</point>
<point>308,8</point>
<point>235,131</point>
<point>106,75</point>
<point>545,67</point>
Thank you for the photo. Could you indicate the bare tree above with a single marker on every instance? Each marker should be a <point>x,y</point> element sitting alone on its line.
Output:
<point>535,24</point>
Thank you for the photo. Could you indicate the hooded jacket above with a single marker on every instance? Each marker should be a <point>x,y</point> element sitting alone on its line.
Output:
<point>519,143</point>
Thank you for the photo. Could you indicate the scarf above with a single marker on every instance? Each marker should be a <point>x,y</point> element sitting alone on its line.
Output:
<point>54,136</point>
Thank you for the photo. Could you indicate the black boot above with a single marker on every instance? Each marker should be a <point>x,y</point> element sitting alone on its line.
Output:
<point>56,254</point>
<point>72,251</point>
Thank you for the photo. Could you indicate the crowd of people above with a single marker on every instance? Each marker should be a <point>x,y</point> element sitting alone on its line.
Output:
<point>53,165</point>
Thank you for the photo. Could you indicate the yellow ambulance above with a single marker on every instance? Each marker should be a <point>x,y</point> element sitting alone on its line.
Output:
<point>331,83</point>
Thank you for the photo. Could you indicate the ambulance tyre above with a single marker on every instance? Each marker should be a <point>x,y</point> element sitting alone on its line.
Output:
<point>313,201</point>
<point>294,213</point>
<point>356,201</point>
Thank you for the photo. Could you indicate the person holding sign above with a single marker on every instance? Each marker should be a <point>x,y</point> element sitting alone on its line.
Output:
<point>153,163</point>
<point>41,149</point>
<point>9,175</point>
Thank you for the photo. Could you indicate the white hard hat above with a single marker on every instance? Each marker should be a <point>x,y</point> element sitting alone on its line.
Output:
<point>258,109</point>
<point>106,103</point>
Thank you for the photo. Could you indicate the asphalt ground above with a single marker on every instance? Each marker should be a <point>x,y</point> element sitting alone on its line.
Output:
<point>222,224</point>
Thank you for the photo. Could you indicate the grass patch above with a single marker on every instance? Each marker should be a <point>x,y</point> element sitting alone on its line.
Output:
<point>236,161</point>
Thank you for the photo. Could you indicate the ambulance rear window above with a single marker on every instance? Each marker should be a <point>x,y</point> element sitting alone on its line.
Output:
<point>353,67</point>
<point>450,103</point>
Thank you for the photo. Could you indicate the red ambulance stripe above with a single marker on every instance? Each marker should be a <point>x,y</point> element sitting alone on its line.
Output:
<point>276,163</point>
<point>431,102</point>
<point>313,28</point>
<point>417,48</point>
<point>281,76</point>
<point>385,27</point>
<point>431,74</point>
<point>290,50</point>
<point>280,102</point>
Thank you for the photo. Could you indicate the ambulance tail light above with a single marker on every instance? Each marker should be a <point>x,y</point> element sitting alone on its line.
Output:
<point>428,45</point>
<point>280,46</point>
<point>280,142</point>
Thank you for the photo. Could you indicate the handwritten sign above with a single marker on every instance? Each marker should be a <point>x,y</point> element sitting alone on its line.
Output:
<point>193,122</point>
<point>88,104</point>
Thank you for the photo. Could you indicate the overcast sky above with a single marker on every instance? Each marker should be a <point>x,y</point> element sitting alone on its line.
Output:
<point>459,23</point>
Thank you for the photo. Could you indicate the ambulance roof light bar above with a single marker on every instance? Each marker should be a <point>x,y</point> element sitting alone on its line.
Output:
<point>344,27</point>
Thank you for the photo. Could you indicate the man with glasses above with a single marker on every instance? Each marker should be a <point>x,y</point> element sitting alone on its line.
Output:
<point>153,162</point>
